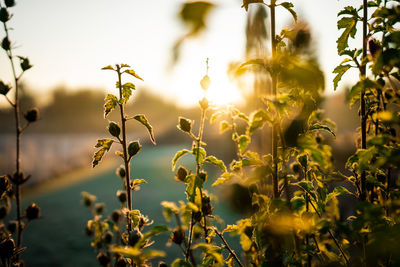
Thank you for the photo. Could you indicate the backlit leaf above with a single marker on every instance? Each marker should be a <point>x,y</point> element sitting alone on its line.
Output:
<point>178,155</point>
<point>339,70</point>
<point>216,162</point>
<point>111,102</point>
<point>143,120</point>
<point>289,7</point>
<point>133,73</point>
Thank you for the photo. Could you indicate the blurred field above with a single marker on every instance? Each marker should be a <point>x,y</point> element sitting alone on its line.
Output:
<point>59,236</point>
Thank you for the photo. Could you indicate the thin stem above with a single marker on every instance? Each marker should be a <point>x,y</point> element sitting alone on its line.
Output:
<point>274,92</point>
<point>228,247</point>
<point>18,136</point>
<point>363,195</point>
<point>124,149</point>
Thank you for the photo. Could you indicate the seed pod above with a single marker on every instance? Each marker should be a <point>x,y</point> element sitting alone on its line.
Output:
<point>177,236</point>
<point>4,88</point>
<point>122,196</point>
<point>12,226</point>
<point>114,129</point>
<point>134,148</point>
<point>116,215</point>
<point>103,259</point>
<point>4,15</point>
<point>121,171</point>
<point>9,3</point>
<point>32,115</point>
<point>7,248</point>
<point>205,82</point>
<point>181,174</point>
<point>6,44</point>
<point>185,125</point>
<point>99,208</point>
<point>108,237</point>
<point>32,212</point>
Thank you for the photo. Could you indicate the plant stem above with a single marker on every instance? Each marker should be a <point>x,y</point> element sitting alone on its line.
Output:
<point>274,89</point>
<point>124,149</point>
<point>18,132</point>
<point>228,247</point>
<point>363,195</point>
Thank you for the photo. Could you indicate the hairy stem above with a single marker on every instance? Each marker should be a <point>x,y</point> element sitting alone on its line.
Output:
<point>124,149</point>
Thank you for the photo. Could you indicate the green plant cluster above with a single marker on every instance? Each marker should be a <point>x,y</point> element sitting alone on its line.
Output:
<point>10,184</point>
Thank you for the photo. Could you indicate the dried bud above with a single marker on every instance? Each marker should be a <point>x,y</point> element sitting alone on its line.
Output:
<point>177,236</point>
<point>181,174</point>
<point>3,212</point>
<point>206,206</point>
<point>9,3</point>
<point>197,216</point>
<point>4,88</point>
<point>4,15</point>
<point>162,264</point>
<point>122,196</point>
<point>121,171</point>
<point>114,129</point>
<point>6,44</point>
<point>88,199</point>
<point>205,82</point>
<point>185,125</point>
<point>116,215</point>
<point>121,262</point>
<point>204,103</point>
<point>12,226</point>
<point>108,237</point>
<point>134,237</point>
<point>32,212</point>
<point>134,148</point>
<point>25,64</point>
<point>103,259</point>
<point>203,176</point>
<point>7,247</point>
<point>32,115</point>
<point>374,47</point>
<point>99,208</point>
<point>296,167</point>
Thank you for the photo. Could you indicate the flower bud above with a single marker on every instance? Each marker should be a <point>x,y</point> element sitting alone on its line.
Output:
<point>4,15</point>
<point>25,65</point>
<point>103,259</point>
<point>9,3</point>
<point>32,115</point>
<point>185,125</point>
<point>206,206</point>
<point>203,176</point>
<point>134,237</point>
<point>114,129</point>
<point>177,236</point>
<point>205,82</point>
<point>12,226</point>
<point>32,212</point>
<point>4,88</point>
<point>99,208</point>
<point>122,196</point>
<point>116,215</point>
<point>121,171</point>
<point>204,103</point>
<point>108,237</point>
<point>134,148</point>
<point>6,44</point>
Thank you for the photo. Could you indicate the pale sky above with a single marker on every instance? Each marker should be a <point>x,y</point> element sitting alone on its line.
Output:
<point>69,41</point>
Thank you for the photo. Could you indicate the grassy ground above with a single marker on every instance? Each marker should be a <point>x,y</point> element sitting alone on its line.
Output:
<point>58,239</point>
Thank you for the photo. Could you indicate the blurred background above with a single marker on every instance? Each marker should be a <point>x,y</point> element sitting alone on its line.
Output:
<point>68,42</point>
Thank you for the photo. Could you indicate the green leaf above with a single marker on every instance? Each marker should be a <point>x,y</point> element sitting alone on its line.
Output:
<point>340,70</point>
<point>111,102</point>
<point>192,182</point>
<point>200,154</point>
<point>216,162</point>
<point>318,126</point>
<point>105,145</point>
<point>223,126</point>
<point>350,30</point>
<point>178,155</point>
<point>180,263</point>
<point>348,10</point>
<point>139,181</point>
<point>142,119</point>
<point>340,190</point>
<point>127,92</point>
<point>127,251</point>
<point>109,67</point>
<point>308,187</point>
<point>133,73</point>
<point>257,120</point>
<point>134,148</point>
<point>355,92</point>
<point>244,141</point>
<point>288,7</point>
<point>225,177</point>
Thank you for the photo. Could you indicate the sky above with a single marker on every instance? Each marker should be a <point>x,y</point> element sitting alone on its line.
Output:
<point>69,41</point>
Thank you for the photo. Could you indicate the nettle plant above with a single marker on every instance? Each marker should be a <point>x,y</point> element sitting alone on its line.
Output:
<point>374,228</point>
<point>119,238</point>
<point>10,184</point>
<point>196,215</point>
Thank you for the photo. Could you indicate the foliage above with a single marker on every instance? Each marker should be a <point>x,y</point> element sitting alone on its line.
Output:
<point>120,237</point>
<point>10,184</point>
